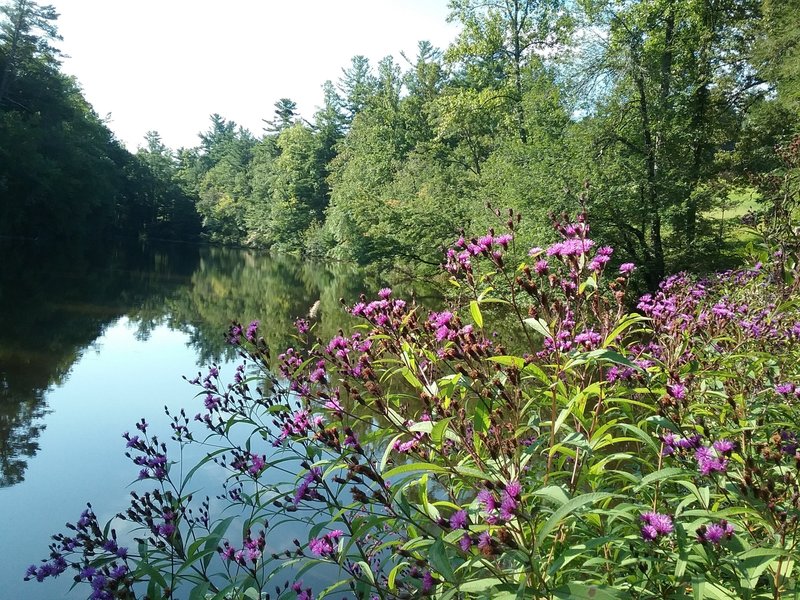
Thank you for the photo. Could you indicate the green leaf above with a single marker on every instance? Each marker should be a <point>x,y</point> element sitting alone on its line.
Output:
<point>411,378</point>
<point>473,472</point>
<point>509,361</point>
<point>702,589</point>
<point>479,585</point>
<point>154,575</point>
<point>755,561</point>
<point>387,453</point>
<point>540,326</point>
<point>437,433</point>
<point>421,467</point>
<point>422,426</point>
<point>574,552</point>
<point>439,560</point>
<point>565,510</point>
<point>367,570</point>
<point>553,492</point>
<point>626,322</point>
<point>659,475</point>
<point>393,575</point>
<point>199,591</point>
<point>480,416</point>
<point>475,311</point>
<point>587,591</point>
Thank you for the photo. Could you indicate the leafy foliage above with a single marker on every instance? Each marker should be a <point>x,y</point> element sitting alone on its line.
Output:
<point>615,455</point>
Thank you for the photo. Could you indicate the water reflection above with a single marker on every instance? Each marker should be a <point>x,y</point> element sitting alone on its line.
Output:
<point>55,302</point>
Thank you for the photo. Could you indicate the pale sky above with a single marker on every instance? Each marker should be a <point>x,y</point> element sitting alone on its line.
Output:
<point>168,64</point>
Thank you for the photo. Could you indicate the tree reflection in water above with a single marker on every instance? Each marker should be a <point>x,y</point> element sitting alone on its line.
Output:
<point>55,302</point>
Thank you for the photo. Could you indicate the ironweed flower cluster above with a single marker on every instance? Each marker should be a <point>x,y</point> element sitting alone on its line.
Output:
<point>624,455</point>
<point>655,525</point>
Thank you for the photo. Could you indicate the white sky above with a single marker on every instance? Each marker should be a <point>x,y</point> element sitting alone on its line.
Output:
<point>168,64</point>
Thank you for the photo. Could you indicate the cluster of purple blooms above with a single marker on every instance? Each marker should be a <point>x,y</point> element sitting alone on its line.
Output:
<point>153,457</point>
<point>677,307</point>
<point>570,247</point>
<point>251,550</point>
<point>588,339</point>
<point>407,446</point>
<point>460,520</point>
<point>673,443</point>
<point>504,509</point>
<point>325,545</point>
<point>52,568</point>
<point>714,458</point>
<point>710,459</point>
<point>167,528</point>
<point>299,423</point>
<point>107,579</point>
<point>383,312</point>
<point>673,307</point>
<point>655,525</point>
<point>348,353</point>
<point>302,593</point>
<point>788,442</point>
<point>788,389</point>
<point>446,326</point>
<point>234,337</point>
<point>715,533</point>
<point>251,463</point>
<point>463,250</point>
<point>236,332</point>
<point>305,491</point>
<point>619,373</point>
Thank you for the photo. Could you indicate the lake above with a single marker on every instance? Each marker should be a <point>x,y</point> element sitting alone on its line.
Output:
<point>94,338</point>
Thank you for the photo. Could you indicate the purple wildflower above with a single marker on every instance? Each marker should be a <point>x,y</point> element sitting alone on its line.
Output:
<point>507,507</point>
<point>487,499</point>
<point>649,533</point>
<point>514,489</point>
<point>724,446</point>
<point>655,525</point>
<point>252,330</point>
<point>503,240</point>
<point>485,541</point>
<point>588,339</point>
<point>459,520</point>
<point>677,391</point>
<point>714,533</point>
<point>427,582</point>
<point>302,326</point>
<point>118,572</point>
<point>708,461</point>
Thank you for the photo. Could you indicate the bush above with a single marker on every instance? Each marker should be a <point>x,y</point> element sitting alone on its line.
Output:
<point>652,454</point>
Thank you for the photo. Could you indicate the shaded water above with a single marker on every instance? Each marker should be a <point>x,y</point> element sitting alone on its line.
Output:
<point>92,339</point>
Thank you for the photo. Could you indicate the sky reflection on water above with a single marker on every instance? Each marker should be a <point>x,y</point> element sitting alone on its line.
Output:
<point>92,341</point>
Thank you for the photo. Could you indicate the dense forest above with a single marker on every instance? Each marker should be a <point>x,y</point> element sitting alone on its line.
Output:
<point>62,173</point>
<point>659,116</point>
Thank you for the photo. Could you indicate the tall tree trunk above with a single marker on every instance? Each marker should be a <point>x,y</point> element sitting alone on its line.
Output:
<point>700,144</point>
<point>655,268</point>
<point>517,23</point>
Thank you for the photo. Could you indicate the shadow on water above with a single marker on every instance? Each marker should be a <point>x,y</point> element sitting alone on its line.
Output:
<point>56,302</point>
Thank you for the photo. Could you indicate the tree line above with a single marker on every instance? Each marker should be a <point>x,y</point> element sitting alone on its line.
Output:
<point>650,113</point>
<point>62,172</point>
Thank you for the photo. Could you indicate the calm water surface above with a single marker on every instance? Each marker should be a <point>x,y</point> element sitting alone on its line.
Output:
<point>91,340</point>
